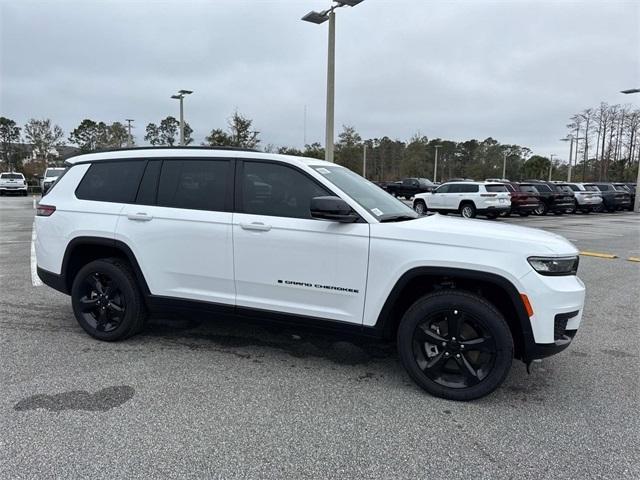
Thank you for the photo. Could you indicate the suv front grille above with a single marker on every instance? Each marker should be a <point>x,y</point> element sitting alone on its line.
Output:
<point>560,324</point>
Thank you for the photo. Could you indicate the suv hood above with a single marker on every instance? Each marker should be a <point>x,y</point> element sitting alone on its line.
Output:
<point>476,234</point>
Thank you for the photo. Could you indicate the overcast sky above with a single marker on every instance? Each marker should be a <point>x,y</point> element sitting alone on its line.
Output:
<point>513,70</point>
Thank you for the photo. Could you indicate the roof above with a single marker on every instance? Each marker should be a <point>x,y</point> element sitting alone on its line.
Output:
<point>190,152</point>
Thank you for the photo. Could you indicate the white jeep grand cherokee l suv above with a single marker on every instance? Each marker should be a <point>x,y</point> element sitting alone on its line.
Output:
<point>299,240</point>
<point>467,198</point>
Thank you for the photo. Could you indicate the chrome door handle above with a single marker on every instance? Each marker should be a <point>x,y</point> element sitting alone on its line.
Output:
<point>140,216</point>
<point>259,226</point>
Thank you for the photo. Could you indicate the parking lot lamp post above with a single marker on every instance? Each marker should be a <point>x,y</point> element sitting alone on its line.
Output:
<point>636,204</point>
<point>129,137</point>
<point>435,163</point>
<point>569,139</point>
<point>318,18</point>
<point>504,165</point>
<point>551,164</point>
<point>180,96</point>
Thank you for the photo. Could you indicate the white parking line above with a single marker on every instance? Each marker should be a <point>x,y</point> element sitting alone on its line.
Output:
<point>35,280</point>
<point>34,202</point>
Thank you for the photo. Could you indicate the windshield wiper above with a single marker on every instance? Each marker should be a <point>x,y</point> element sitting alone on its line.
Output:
<point>396,218</point>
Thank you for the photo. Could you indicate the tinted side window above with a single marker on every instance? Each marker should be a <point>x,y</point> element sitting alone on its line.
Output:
<point>443,189</point>
<point>111,181</point>
<point>277,190</point>
<point>149,184</point>
<point>468,188</point>
<point>195,184</point>
<point>603,188</point>
<point>496,188</point>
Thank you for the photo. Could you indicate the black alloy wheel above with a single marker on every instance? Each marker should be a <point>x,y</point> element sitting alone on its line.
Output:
<point>106,300</point>
<point>542,209</point>
<point>455,345</point>
<point>101,302</point>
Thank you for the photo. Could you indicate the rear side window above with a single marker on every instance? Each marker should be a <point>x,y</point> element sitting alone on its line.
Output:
<point>111,181</point>
<point>603,188</point>
<point>195,184</point>
<point>149,184</point>
<point>573,187</point>
<point>11,176</point>
<point>496,188</point>
<point>469,188</point>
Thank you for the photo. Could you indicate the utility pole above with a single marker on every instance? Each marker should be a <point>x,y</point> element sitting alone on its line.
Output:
<point>636,204</point>
<point>435,164</point>
<point>364,161</point>
<point>551,164</point>
<point>129,138</point>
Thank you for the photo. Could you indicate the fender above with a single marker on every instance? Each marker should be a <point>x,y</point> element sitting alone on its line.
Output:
<point>385,322</point>
<point>105,242</point>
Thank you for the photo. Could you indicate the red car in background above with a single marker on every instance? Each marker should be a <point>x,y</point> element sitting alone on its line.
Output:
<point>525,199</point>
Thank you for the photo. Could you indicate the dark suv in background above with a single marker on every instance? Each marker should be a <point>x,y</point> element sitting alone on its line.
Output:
<point>613,198</point>
<point>631,188</point>
<point>409,187</point>
<point>552,197</point>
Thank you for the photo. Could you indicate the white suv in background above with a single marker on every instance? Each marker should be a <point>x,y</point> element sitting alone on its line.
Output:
<point>467,198</point>
<point>13,182</point>
<point>588,197</point>
<point>49,178</point>
<point>299,240</point>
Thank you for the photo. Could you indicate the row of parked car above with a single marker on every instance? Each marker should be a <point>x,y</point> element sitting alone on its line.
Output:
<point>15,183</point>
<point>495,197</point>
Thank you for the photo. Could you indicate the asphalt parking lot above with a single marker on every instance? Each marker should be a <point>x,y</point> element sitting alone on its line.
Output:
<point>196,398</point>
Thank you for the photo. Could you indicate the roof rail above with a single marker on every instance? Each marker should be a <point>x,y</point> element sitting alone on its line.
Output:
<point>177,147</point>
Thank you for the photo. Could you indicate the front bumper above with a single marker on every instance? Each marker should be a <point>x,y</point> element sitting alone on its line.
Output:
<point>17,188</point>
<point>557,303</point>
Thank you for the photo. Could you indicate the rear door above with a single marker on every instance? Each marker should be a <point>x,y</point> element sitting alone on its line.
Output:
<point>180,228</point>
<point>286,261</point>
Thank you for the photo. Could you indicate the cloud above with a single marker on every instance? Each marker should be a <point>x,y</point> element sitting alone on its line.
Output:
<point>511,70</point>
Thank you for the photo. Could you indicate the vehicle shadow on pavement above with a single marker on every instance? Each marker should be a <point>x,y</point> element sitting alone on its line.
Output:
<point>299,342</point>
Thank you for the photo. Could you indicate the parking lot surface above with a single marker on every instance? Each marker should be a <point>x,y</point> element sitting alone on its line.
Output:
<point>214,398</point>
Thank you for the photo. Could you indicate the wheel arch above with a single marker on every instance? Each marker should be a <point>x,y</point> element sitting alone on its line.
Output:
<point>497,289</point>
<point>82,250</point>
<point>465,201</point>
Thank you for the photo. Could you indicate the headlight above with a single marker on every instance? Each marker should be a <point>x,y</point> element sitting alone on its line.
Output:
<point>555,266</point>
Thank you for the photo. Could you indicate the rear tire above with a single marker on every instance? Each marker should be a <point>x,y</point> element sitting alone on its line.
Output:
<point>455,345</point>
<point>542,209</point>
<point>107,301</point>
<point>468,210</point>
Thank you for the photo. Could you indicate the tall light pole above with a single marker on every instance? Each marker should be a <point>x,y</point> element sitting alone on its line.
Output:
<point>364,161</point>
<point>129,138</point>
<point>180,96</point>
<point>551,164</point>
<point>435,163</point>
<point>318,18</point>
<point>636,204</point>
<point>504,165</point>
<point>569,139</point>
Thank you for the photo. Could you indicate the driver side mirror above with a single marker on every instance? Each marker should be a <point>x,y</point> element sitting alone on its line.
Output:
<point>332,208</point>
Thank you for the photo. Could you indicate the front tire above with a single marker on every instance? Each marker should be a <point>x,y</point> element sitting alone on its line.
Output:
<point>107,301</point>
<point>542,209</point>
<point>455,345</point>
<point>420,207</point>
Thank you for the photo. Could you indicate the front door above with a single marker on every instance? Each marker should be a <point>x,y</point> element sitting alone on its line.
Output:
<point>286,261</point>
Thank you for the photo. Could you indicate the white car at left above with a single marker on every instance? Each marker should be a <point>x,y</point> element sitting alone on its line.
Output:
<point>13,182</point>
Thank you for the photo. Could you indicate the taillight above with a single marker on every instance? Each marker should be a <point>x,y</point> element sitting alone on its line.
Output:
<point>45,210</point>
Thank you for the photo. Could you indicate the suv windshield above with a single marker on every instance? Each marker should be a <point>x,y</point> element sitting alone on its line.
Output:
<point>53,172</point>
<point>12,176</point>
<point>371,197</point>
